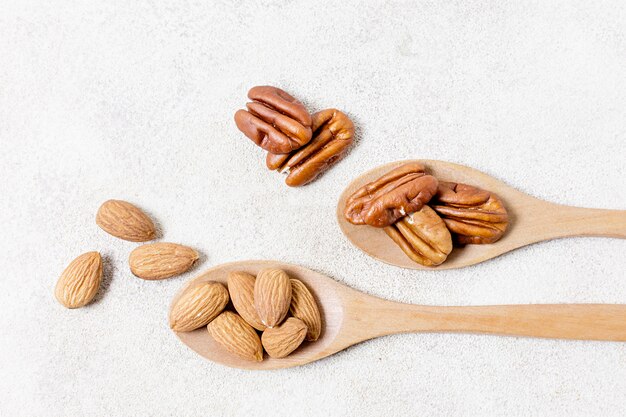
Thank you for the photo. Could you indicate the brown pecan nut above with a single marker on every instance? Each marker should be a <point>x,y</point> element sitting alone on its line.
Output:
<point>423,236</point>
<point>472,214</point>
<point>401,191</point>
<point>333,133</point>
<point>275,121</point>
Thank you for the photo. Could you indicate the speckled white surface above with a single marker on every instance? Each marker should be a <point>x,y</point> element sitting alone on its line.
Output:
<point>134,100</point>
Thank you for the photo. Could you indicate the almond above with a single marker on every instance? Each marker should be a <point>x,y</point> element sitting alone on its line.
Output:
<point>281,340</point>
<point>241,289</point>
<point>236,336</point>
<point>304,307</point>
<point>80,281</point>
<point>161,260</point>
<point>124,220</point>
<point>198,305</point>
<point>272,296</point>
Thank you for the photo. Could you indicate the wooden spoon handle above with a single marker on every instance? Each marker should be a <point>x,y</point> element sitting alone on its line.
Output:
<point>558,321</point>
<point>556,221</point>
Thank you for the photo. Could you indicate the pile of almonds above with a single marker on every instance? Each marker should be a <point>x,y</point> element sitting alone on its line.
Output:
<point>424,216</point>
<point>279,308</point>
<point>80,281</point>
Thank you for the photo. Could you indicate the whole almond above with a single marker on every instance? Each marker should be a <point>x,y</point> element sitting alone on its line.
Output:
<point>241,289</point>
<point>124,220</point>
<point>161,260</point>
<point>272,296</point>
<point>236,336</point>
<point>198,305</point>
<point>304,307</point>
<point>80,281</point>
<point>281,340</point>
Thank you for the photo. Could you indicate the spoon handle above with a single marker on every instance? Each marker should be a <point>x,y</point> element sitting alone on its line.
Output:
<point>563,221</point>
<point>558,321</point>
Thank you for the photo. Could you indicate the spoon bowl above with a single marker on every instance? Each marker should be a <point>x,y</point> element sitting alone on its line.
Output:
<point>322,288</point>
<point>350,317</point>
<point>531,220</point>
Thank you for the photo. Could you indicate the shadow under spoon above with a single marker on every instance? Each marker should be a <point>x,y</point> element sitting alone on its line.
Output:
<point>350,317</point>
<point>531,220</point>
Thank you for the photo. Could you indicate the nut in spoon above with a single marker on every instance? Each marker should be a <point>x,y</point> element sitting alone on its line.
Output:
<point>350,317</point>
<point>531,220</point>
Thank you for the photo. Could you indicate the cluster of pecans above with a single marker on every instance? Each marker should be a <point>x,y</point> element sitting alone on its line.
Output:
<point>423,215</point>
<point>80,281</point>
<point>297,143</point>
<point>281,308</point>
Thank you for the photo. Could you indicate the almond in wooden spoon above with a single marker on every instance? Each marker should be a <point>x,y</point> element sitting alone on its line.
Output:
<point>281,340</point>
<point>161,260</point>
<point>530,219</point>
<point>304,307</point>
<point>236,336</point>
<point>198,305</point>
<point>241,289</point>
<point>350,317</point>
<point>272,296</point>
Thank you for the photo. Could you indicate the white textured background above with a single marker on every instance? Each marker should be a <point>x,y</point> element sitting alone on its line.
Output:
<point>134,100</point>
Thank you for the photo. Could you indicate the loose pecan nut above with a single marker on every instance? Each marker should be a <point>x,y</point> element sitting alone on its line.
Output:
<point>333,133</point>
<point>401,191</point>
<point>423,236</point>
<point>473,215</point>
<point>275,121</point>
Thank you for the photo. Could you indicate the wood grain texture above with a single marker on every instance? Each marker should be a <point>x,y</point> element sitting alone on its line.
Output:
<point>530,220</point>
<point>350,317</point>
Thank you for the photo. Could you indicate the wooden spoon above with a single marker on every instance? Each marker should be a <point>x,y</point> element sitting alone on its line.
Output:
<point>530,219</point>
<point>350,317</point>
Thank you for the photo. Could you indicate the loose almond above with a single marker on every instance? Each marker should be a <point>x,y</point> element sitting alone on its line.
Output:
<point>304,307</point>
<point>236,336</point>
<point>272,296</point>
<point>80,281</point>
<point>281,340</point>
<point>124,220</point>
<point>161,260</point>
<point>241,289</point>
<point>198,305</point>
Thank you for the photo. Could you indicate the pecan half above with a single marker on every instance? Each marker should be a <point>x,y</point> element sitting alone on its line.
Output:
<point>401,191</point>
<point>275,121</point>
<point>333,133</point>
<point>472,214</point>
<point>423,236</point>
